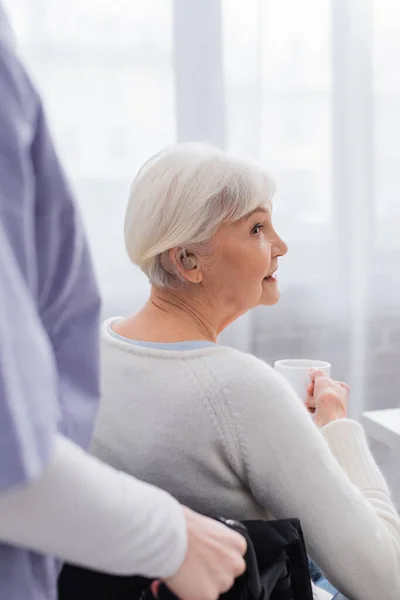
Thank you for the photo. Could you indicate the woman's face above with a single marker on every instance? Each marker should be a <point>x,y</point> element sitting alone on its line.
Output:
<point>241,273</point>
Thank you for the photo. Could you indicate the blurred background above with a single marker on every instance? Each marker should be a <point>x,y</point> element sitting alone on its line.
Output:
<point>309,88</point>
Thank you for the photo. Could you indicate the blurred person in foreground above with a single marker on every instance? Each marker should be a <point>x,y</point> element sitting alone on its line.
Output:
<point>55,499</point>
<point>220,429</point>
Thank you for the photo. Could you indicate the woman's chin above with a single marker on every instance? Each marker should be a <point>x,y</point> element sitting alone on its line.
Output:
<point>270,296</point>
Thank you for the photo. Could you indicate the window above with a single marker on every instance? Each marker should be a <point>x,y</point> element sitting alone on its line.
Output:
<point>105,73</point>
<point>278,72</point>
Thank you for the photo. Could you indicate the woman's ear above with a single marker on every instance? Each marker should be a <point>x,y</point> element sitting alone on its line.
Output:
<point>186,264</point>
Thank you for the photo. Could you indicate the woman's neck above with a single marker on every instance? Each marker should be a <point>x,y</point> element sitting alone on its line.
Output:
<point>172,316</point>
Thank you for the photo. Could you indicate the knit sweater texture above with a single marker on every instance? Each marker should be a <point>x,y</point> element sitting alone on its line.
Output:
<point>226,435</point>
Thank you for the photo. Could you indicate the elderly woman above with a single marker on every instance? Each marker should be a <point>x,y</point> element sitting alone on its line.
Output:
<point>219,429</point>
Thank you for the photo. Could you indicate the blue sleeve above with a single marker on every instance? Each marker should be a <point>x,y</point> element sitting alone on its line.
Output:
<point>48,296</point>
<point>68,297</point>
<point>28,383</point>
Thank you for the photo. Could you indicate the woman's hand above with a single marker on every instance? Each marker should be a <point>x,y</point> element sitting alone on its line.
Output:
<point>326,399</point>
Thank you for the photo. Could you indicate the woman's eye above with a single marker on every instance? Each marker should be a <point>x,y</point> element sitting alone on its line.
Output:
<point>257,229</point>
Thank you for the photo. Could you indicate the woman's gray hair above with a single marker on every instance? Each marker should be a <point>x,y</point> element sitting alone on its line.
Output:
<point>181,196</point>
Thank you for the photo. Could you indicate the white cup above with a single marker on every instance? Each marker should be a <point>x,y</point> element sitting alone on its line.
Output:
<point>296,371</point>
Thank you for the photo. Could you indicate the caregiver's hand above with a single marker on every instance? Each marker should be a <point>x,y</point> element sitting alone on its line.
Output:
<point>327,399</point>
<point>214,558</point>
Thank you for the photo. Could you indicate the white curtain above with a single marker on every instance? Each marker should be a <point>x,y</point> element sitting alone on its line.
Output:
<point>310,88</point>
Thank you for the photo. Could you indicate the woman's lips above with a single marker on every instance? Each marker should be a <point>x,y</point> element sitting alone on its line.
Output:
<point>272,277</point>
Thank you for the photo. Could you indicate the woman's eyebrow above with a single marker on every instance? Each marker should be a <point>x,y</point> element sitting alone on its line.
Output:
<point>260,209</point>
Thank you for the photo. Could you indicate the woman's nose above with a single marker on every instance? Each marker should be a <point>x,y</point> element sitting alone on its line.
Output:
<point>280,247</point>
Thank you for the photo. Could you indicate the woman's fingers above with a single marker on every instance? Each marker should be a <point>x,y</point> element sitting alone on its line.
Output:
<point>326,398</point>
<point>344,385</point>
<point>310,404</point>
<point>317,374</point>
